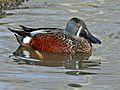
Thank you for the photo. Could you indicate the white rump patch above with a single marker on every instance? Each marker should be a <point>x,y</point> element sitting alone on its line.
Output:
<point>26,39</point>
<point>78,33</point>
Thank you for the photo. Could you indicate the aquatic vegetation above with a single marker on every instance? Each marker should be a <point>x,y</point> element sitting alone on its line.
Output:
<point>10,4</point>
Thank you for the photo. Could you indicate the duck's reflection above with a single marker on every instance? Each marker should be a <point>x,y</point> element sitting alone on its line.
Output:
<point>69,61</point>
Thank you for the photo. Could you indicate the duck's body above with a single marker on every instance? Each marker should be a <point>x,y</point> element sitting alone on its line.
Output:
<point>59,42</point>
<point>71,40</point>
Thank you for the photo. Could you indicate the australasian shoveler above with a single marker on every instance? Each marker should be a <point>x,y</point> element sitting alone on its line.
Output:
<point>75,38</point>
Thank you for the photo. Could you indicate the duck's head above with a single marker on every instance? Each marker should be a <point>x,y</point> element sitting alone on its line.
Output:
<point>77,27</point>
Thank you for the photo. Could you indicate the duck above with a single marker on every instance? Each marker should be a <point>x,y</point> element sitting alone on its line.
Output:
<point>75,38</point>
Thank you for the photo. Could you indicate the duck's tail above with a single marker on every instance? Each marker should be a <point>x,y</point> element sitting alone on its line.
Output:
<point>20,35</point>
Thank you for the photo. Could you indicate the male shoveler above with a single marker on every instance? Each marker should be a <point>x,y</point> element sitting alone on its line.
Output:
<point>75,38</point>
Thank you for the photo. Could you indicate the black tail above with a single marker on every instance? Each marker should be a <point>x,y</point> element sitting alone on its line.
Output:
<point>20,35</point>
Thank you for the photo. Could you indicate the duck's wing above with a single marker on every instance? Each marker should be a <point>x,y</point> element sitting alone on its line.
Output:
<point>28,29</point>
<point>29,32</point>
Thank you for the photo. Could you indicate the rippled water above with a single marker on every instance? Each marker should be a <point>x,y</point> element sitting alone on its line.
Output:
<point>97,71</point>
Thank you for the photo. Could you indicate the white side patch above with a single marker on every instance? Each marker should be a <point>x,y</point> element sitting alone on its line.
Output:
<point>26,39</point>
<point>78,33</point>
<point>26,53</point>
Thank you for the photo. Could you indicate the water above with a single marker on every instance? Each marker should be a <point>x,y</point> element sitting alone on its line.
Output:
<point>97,71</point>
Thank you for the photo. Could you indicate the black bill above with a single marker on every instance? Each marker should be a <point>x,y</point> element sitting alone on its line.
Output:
<point>87,35</point>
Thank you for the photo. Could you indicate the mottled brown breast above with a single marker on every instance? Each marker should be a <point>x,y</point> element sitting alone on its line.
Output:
<point>83,46</point>
<point>50,42</point>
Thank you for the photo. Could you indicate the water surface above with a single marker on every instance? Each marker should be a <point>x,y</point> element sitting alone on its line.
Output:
<point>96,71</point>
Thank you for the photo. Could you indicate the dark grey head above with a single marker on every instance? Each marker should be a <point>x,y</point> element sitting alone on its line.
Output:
<point>77,27</point>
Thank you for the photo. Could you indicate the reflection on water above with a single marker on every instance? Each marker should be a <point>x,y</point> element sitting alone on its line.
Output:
<point>78,73</point>
<point>75,63</point>
<point>74,85</point>
<point>25,55</point>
